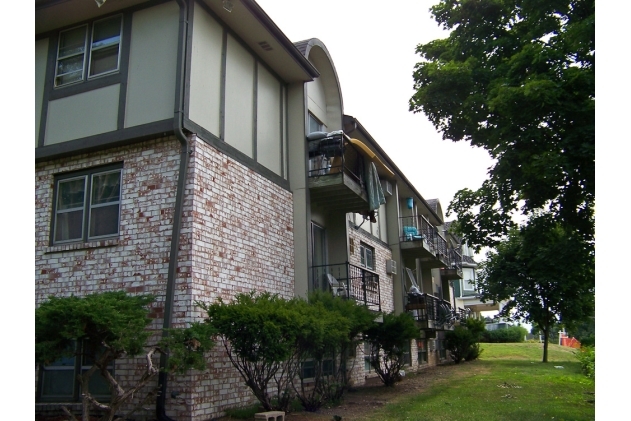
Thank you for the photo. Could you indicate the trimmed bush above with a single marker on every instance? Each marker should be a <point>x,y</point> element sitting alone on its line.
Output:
<point>510,334</point>
<point>462,342</point>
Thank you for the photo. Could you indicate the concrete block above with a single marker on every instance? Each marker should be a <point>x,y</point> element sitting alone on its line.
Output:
<point>270,416</point>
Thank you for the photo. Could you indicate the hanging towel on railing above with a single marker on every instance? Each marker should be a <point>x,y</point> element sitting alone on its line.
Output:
<point>373,187</point>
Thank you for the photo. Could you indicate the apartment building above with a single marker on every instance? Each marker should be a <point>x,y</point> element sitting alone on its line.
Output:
<point>188,149</point>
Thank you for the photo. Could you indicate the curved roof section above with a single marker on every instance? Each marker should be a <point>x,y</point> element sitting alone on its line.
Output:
<point>305,47</point>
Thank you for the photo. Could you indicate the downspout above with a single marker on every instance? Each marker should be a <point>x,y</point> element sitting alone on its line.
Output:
<point>178,118</point>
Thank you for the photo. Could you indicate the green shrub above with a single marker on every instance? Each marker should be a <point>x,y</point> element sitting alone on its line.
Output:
<point>510,334</point>
<point>474,352</point>
<point>108,326</point>
<point>587,357</point>
<point>462,342</point>
<point>388,340</point>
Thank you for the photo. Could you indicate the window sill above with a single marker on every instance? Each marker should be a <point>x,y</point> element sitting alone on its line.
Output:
<point>112,242</point>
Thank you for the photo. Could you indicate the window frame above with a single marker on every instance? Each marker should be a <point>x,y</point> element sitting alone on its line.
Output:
<point>86,218</point>
<point>328,368</point>
<point>363,256</point>
<point>77,368</point>
<point>88,49</point>
<point>312,118</point>
<point>422,351</point>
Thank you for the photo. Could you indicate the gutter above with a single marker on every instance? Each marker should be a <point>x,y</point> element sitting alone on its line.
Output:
<point>178,118</point>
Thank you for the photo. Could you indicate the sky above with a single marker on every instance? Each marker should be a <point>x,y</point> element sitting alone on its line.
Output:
<point>372,45</point>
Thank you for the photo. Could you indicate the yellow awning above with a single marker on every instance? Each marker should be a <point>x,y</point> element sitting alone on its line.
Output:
<point>366,151</point>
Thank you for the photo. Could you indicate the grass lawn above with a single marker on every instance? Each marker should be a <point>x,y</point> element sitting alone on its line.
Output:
<point>508,382</point>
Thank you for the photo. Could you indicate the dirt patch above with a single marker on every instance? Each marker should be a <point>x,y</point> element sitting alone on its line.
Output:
<point>361,401</point>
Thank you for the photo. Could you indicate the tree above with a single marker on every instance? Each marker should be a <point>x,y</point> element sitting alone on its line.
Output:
<point>388,341</point>
<point>516,78</point>
<point>546,274</point>
<point>104,327</point>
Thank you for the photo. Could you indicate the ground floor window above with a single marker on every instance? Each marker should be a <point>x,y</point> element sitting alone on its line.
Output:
<point>407,357</point>
<point>442,352</point>
<point>422,351</point>
<point>308,368</point>
<point>59,381</point>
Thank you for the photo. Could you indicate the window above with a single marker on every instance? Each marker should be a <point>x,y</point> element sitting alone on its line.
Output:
<point>422,351</point>
<point>315,125</point>
<point>367,356</point>
<point>308,368</point>
<point>367,256</point>
<point>96,46</point>
<point>87,205</point>
<point>59,381</point>
<point>407,355</point>
<point>467,285</point>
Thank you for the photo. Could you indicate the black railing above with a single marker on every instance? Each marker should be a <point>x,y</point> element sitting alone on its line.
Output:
<point>348,281</point>
<point>331,155</point>
<point>417,228</point>
<point>441,247</point>
<point>469,259</point>
<point>427,308</point>
<point>455,258</point>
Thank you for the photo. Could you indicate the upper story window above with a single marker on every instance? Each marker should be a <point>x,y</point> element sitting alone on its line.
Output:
<point>468,285</point>
<point>315,125</point>
<point>87,205</point>
<point>367,256</point>
<point>88,49</point>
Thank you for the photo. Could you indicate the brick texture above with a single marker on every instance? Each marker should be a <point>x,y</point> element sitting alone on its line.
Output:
<point>236,236</point>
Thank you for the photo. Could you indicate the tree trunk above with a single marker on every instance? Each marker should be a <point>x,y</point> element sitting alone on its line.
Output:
<point>545,344</point>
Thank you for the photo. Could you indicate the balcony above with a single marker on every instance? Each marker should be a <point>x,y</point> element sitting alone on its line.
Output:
<point>348,281</point>
<point>336,174</point>
<point>454,270</point>
<point>420,239</point>
<point>432,313</point>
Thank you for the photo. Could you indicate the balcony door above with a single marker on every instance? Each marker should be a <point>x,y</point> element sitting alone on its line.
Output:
<point>319,258</point>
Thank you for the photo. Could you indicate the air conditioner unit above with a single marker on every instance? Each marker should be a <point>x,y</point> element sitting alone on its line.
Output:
<point>391,267</point>
<point>386,186</point>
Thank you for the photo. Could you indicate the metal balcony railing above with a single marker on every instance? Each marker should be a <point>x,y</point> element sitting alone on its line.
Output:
<point>348,281</point>
<point>331,155</point>
<point>455,258</point>
<point>427,308</point>
<point>441,247</point>
<point>416,228</point>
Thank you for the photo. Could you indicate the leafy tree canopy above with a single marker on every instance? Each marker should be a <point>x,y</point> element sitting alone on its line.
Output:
<point>517,78</point>
<point>544,272</point>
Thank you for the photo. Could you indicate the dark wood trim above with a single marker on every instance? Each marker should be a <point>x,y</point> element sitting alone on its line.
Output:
<point>189,58</point>
<point>48,87</point>
<point>124,68</point>
<point>86,86</point>
<point>235,154</point>
<point>123,137</point>
<point>222,99</point>
<point>255,95</point>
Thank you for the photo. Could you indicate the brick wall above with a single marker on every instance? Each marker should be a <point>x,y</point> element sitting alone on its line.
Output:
<point>242,240</point>
<point>236,236</point>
